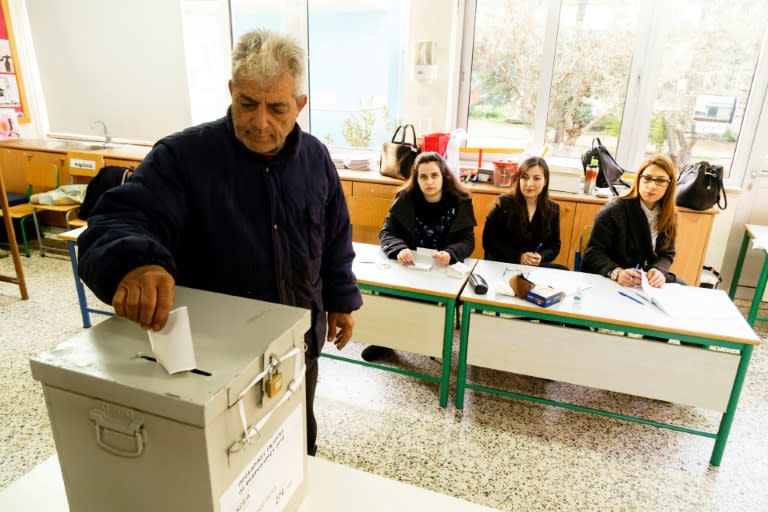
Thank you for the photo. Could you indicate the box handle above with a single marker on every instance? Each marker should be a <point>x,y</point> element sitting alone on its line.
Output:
<point>103,421</point>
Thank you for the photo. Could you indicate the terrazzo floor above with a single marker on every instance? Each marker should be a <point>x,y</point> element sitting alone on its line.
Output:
<point>498,452</point>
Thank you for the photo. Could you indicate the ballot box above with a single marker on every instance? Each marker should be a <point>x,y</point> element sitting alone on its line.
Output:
<point>228,436</point>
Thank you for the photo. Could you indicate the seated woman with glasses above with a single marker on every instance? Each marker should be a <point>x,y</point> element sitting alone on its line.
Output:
<point>524,224</point>
<point>432,210</point>
<point>637,231</point>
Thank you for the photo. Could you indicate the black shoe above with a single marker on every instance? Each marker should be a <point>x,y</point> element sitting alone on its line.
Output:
<point>375,353</point>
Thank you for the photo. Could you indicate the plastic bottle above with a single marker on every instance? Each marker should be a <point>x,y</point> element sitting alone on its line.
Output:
<point>458,139</point>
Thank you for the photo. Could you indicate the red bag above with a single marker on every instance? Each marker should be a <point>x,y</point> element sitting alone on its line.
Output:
<point>437,142</point>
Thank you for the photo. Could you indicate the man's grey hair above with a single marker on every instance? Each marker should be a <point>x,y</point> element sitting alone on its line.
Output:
<point>262,55</point>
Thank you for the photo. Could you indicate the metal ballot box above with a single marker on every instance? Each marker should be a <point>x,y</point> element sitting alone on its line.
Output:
<point>228,436</point>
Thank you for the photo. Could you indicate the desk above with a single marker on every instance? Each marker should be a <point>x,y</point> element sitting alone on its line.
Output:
<point>331,486</point>
<point>422,326</point>
<point>85,310</point>
<point>752,232</point>
<point>688,375</point>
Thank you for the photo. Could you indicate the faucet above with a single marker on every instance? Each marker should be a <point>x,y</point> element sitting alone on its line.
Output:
<point>107,138</point>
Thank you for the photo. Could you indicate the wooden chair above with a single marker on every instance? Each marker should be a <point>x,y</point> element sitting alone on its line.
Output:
<point>18,278</point>
<point>23,214</point>
<point>83,165</point>
<point>583,241</point>
<point>44,177</point>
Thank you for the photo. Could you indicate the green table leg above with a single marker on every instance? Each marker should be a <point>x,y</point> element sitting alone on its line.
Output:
<point>461,379</point>
<point>730,411</point>
<point>739,264</point>
<point>759,290</point>
<point>445,379</point>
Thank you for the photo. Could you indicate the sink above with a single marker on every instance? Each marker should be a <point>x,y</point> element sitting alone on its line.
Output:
<point>80,146</point>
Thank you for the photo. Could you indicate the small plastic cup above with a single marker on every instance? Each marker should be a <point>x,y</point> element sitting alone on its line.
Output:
<point>590,177</point>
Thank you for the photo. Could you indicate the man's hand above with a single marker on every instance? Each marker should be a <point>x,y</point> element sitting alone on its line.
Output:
<point>145,295</point>
<point>340,327</point>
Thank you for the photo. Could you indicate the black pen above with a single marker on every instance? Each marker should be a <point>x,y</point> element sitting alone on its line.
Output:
<point>538,247</point>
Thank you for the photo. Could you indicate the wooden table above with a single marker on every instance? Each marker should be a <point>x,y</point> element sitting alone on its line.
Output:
<point>405,309</point>
<point>576,348</point>
<point>752,232</point>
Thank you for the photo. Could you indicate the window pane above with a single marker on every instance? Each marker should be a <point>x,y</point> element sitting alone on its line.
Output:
<point>357,70</point>
<point>506,61</point>
<point>595,42</point>
<point>705,78</point>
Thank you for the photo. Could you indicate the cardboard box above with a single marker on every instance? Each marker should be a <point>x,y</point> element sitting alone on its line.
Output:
<point>544,296</point>
<point>131,437</point>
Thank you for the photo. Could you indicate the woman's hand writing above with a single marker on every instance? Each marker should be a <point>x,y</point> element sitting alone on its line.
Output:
<point>530,258</point>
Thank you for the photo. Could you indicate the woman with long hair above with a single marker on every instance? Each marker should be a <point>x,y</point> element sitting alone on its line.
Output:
<point>431,210</point>
<point>524,224</point>
<point>637,231</point>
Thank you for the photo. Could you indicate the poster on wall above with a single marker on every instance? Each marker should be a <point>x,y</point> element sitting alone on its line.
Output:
<point>12,100</point>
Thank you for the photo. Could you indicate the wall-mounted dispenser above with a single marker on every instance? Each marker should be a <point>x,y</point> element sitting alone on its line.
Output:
<point>425,69</point>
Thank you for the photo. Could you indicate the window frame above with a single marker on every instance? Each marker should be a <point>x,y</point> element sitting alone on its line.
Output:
<point>656,19</point>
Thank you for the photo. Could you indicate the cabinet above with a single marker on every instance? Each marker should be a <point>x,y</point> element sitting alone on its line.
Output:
<point>15,160</point>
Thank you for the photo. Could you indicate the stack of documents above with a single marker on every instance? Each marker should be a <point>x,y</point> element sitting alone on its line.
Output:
<point>358,163</point>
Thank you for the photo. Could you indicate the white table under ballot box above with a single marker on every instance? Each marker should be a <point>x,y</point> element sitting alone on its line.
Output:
<point>131,437</point>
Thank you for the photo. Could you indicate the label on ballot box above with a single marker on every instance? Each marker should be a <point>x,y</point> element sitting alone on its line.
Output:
<point>544,296</point>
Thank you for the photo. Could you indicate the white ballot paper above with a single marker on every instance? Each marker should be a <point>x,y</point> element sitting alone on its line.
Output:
<point>172,346</point>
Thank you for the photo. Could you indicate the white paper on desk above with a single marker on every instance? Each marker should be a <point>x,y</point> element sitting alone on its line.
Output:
<point>172,346</point>
<point>651,294</point>
<point>419,266</point>
<point>566,282</point>
<point>504,289</point>
<point>423,251</point>
<point>458,269</point>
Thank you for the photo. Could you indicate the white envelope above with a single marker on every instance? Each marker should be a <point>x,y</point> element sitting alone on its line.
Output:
<point>172,346</point>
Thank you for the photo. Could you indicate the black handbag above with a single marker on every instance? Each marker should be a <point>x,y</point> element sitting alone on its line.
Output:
<point>398,155</point>
<point>699,187</point>
<point>610,171</point>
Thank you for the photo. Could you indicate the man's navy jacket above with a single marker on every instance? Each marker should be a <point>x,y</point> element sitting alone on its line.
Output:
<point>221,218</point>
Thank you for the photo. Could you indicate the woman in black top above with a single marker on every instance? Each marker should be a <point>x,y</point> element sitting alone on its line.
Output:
<point>637,231</point>
<point>524,224</point>
<point>432,210</point>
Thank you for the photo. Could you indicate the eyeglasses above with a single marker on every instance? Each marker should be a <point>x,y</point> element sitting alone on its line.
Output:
<point>660,182</point>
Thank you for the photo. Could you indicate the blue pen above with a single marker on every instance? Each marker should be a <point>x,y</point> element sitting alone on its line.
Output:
<point>538,247</point>
<point>630,297</point>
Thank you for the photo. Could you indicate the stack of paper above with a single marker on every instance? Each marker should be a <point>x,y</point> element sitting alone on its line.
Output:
<point>338,159</point>
<point>358,163</point>
<point>458,269</point>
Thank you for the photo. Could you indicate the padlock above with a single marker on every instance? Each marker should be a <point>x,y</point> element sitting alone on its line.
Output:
<point>274,382</point>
